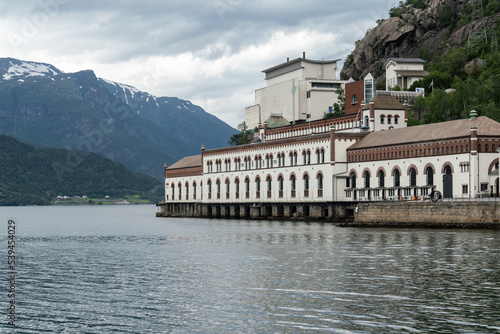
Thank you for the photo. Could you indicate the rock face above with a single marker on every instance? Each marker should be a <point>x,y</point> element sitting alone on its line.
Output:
<point>417,33</point>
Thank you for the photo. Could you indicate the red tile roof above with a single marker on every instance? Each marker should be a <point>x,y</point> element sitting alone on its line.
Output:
<point>429,132</point>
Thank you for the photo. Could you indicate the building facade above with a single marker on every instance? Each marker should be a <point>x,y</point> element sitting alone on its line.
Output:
<point>403,72</point>
<point>310,166</point>
<point>296,90</point>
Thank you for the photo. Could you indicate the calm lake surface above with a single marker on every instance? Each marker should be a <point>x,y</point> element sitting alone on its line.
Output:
<point>118,269</point>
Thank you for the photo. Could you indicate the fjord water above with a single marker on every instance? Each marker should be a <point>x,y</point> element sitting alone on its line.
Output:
<point>118,269</point>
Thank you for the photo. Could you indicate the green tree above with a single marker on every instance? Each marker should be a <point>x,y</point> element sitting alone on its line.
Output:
<point>243,137</point>
<point>339,108</point>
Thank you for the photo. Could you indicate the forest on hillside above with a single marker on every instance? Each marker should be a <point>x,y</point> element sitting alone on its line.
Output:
<point>35,176</point>
<point>463,78</point>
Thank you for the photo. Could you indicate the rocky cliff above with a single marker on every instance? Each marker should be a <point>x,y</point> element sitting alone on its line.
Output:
<point>422,31</point>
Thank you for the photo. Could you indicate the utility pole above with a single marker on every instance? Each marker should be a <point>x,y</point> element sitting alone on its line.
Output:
<point>477,34</point>
<point>494,42</point>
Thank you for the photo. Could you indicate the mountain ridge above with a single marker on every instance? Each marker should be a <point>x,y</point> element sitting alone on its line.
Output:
<point>43,105</point>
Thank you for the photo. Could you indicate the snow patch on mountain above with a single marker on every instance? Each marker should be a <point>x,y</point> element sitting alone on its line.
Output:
<point>28,69</point>
<point>126,90</point>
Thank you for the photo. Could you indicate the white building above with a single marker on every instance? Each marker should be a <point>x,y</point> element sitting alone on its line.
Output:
<point>403,72</point>
<point>371,155</point>
<point>294,90</point>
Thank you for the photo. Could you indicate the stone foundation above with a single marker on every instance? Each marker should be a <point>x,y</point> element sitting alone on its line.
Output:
<point>314,211</point>
<point>428,214</point>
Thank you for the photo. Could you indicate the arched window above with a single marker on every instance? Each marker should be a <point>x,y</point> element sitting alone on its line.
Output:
<point>320,185</point>
<point>306,185</point>
<point>280,185</point>
<point>279,159</point>
<point>382,119</point>
<point>227,186</point>
<point>257,184</point>
<point>389,119</point>
<point>304,157</point>
<point>318,156</point>
<point>381,179</point>
<point>217,183</point>
<point>397,178</point>
<point>194,190</point>
<point>293,183</point>
<point>430,176</point>
<point>413,177</point>
<point>269,186</point>
<point>367,179</point>
<point>187,190</point>
<point>291,159</point>
<point>367,121</point>
<point>308,157</point>
<point>247,187</point>
<point>322,156</point>
<point>353,180</point>
<point>320,181</point>
<point>396,119</point>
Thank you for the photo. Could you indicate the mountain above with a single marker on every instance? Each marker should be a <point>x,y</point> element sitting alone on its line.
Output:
<point>187,123</point>
<point>34,176</point>
<point>41,105</point>
<point>416,28</point>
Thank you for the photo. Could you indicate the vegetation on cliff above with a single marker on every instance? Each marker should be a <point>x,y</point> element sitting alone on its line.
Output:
<point>459,80</point>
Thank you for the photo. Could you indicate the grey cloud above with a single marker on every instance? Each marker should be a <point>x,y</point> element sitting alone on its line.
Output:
<point>109,32</point>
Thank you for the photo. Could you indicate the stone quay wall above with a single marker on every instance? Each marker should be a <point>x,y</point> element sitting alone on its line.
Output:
<point>428,214</point>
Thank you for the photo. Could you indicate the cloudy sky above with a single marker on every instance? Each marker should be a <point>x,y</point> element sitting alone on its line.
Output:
<point>210,52</point>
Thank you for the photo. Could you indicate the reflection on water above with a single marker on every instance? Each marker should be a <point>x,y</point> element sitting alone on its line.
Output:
<point>119,269</point>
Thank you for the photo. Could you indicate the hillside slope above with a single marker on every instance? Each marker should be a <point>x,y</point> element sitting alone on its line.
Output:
<point>34,176</point>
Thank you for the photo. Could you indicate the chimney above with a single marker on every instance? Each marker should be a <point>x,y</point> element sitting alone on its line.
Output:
<point>473,140</point>
<point>406,111</point>
<point>304,55</point>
